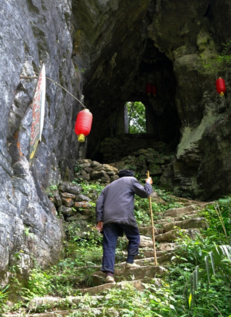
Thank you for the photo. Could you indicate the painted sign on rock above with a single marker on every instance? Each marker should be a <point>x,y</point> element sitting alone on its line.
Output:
<point>38,108</point>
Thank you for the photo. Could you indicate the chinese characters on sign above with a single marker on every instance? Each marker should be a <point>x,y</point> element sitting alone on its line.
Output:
<point>38,111</point>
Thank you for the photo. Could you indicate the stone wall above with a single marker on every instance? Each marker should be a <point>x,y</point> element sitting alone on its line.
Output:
<point>67,197</point>
<point>71,204</point>
<point>94,171</point>
<point>114,149</point>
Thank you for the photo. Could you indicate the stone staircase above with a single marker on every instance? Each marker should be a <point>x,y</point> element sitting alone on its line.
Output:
<point>167,229</point>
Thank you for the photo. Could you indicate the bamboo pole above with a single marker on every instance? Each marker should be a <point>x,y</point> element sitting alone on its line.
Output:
<point>153,228</point>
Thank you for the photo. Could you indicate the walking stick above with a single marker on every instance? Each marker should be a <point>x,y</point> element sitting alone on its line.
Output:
<point>153,229</point>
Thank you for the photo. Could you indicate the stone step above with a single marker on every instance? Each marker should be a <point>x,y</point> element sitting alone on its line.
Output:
<point>164,258</point>
<point>121,274</point>
<point>161,257</point>
<point>145,253</point>
<point>146,242</point>
<point>149,253</point>
<point>99,312</point>
<point>172,235</point>
<point>149,260</point>
<point>147,230</point>
<point>176,212</point>
<point>56,313</point>
<point>159,224</point>
<point>192,214</point>
<point>141,262</point>
<point>138,284</point>
<point>187,202</point>
<point>194,206</point>
<point>56,302</point>
<point>165,246</point>
<point>191,223</point>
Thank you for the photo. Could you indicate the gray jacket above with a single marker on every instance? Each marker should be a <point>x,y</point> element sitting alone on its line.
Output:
<point>116,201</point>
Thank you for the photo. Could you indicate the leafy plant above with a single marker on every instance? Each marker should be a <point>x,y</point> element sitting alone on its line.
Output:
<point>218,211</point>
<point>218,216</point>
<point>136,117</point>
<point>3,296</point>
<point>89,237</point>
<point>38,284</point>
<point>215,259</point>
<point>53,187</point>
<point>217,63</point>
<point>212,264</point>
<point>78,168</point>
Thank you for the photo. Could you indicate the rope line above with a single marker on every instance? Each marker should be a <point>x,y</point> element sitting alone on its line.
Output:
<point>35,77</point>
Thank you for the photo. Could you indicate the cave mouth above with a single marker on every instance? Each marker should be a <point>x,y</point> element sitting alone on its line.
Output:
<point>107,94</point>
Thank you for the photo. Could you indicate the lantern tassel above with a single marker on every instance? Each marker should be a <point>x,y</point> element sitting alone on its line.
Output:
<point>81,138</point>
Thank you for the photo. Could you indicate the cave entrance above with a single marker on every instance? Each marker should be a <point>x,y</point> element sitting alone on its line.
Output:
<point>109,93</point>
<point>135,117</point>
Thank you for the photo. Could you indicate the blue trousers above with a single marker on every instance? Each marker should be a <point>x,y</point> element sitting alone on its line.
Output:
<point>111,232</point>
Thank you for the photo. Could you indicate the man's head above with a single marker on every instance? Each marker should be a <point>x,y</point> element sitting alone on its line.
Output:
<point>123,173</point>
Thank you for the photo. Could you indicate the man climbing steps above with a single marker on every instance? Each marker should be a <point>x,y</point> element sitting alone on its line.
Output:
<point>115,216</point>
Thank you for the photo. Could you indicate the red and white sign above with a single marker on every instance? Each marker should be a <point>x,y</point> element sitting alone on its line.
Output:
<point>38,108</point>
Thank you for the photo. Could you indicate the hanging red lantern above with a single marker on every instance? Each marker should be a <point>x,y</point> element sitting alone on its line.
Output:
<point>154,90</point>
<point>220,85</point>
<point>149,89</point>
<point>83,124</point>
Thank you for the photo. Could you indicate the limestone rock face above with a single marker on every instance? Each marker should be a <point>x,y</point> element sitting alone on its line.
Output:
<point>32,32</point>
<point>201,166</point>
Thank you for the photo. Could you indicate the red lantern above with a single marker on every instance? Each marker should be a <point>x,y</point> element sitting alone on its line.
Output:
<point>83,124</point>
<point>220,85</point>
<point>149,89</point>
<point>154,90</point>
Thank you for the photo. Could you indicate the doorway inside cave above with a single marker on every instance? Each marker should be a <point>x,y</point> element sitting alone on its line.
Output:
<point>135,117</point>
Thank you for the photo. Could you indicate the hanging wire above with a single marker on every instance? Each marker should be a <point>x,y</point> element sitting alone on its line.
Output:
<point>35,77</point>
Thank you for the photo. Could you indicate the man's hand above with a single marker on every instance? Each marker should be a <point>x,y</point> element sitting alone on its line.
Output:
<point>149,180</point>
<point>99,226</point>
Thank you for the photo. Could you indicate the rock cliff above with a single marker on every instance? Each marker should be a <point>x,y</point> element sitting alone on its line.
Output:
<point>33,32</point>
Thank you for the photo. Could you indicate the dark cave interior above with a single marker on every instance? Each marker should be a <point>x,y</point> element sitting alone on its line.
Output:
<point>107,105</point>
